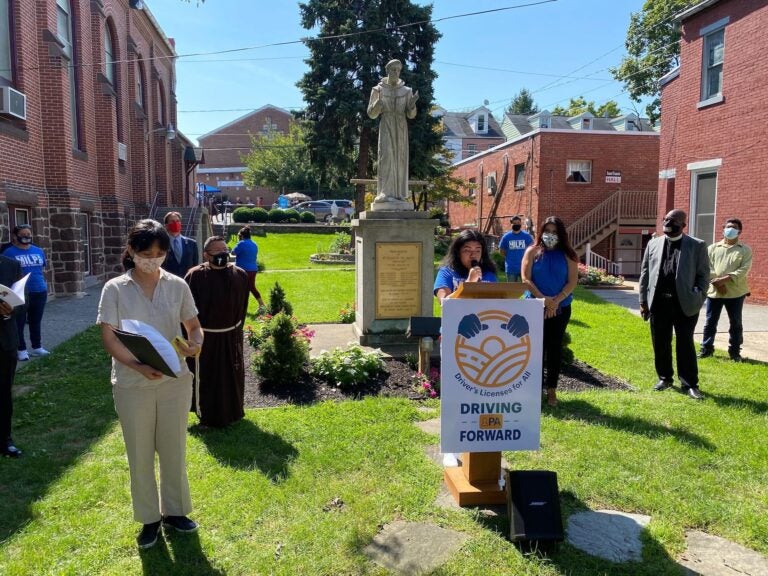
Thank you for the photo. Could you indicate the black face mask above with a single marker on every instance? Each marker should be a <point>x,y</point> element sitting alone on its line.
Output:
<point>672,229</point>
<point>221,259</point>
<point>516,227</point>
<point>23,240</point>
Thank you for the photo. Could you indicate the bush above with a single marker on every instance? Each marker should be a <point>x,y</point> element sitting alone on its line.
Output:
<point>283,354</point>
<point>291,216</point>
<point>442,243</point>
<point>307,218</point>
<point>242,215</point>
<point>498,259</point>
<point>347,314</point>
<point>276,215</point>
<point>436,213</point>
<point>259,215</point>
<point>595,276</point>
<point>277,301</point>
<point>348,368</point>
<point>341,244</point>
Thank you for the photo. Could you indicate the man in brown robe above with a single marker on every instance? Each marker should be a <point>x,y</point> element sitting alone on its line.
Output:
<point>220,290</point>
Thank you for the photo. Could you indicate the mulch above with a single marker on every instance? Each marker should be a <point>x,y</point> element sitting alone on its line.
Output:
<point>396,380</point>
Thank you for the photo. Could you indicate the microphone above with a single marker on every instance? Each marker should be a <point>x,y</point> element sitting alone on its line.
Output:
<point>474,264</point>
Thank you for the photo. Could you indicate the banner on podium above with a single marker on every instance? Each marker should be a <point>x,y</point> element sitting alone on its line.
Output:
<point>491,375</point>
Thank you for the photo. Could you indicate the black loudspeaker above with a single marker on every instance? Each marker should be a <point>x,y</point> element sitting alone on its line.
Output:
<point>533,506</point>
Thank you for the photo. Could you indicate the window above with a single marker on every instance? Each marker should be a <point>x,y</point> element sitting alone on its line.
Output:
<point>140,98</point>
<point>703,206</point>
<point>109,57</point>
<point>481,126</point>
<point>160,103</point>
<point>472,184</point>
<point>471,149</point>
<point>64,31</point>
<point>519,176</point>
<point>579,171</point>
<point>712,71</point>
<point>6,48</point>
<point>20,216</point>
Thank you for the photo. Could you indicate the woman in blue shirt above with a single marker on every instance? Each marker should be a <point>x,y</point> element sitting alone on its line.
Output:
<point>550,268</point>
<point>458,265</point>
<point>246,252</point>
<point>32,260</point>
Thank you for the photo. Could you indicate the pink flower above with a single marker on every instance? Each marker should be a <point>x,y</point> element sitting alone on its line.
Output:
<point>426,385</point>
<point>432,394</point>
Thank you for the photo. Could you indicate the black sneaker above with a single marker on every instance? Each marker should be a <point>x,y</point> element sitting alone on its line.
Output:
<point>705,353</point>
<point>148,535</point>
<point>180,523</point>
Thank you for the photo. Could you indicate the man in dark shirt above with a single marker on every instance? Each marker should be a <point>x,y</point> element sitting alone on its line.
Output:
<point>674,277</point>
<point>10,272</point>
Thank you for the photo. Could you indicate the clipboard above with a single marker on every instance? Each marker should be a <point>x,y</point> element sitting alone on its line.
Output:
<point>149,347</point>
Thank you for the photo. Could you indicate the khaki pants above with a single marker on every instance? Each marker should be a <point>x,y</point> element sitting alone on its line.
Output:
<point>154,419</point>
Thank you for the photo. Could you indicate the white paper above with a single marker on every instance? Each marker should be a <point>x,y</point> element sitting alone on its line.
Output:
<point>163,347</point>
<point>15,294</point>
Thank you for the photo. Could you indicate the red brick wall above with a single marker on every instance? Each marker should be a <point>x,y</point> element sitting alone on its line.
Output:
<point>40,169</point>
<point>546,192</point>
<point>732,130</point>
<point>482,145</point>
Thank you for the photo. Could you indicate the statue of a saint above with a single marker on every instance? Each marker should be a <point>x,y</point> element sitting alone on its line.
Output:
<point>394,102</point>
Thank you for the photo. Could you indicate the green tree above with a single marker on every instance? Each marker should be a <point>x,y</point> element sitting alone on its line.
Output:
<point>653,49</point>
<point>443,185</point>
<point>580,105</point>
<point>281,161</point>
<point>355,40</point>
<point>523,104</point>
<point>609,109</point>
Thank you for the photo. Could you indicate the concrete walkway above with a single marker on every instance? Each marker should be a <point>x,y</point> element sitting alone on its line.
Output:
<point>754,318</point>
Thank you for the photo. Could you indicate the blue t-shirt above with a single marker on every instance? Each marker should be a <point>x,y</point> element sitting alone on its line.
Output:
<point>32,262</point>
<point>514,244</point>
<point>550,274</point>
<point>449,278</point>
<point>245,253</point>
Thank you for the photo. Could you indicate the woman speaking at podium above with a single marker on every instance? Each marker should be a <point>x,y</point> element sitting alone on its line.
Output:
<point>467,260</point>
<point>550,269</point>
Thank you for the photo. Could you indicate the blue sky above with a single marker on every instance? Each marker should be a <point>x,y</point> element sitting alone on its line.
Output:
<point>575,38</point>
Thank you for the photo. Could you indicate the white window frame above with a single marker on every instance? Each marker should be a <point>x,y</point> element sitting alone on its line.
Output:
<point>472,187</point>
<point>484,128</point>
<point>712,66</point>
<point>110,68</point>
<point>140,86</point>
<point>65,33</point>
<point>520,174</point>
<point>694,215</point>
<point>572,166</point>
<point>471,149</point>
<point>16,212</point>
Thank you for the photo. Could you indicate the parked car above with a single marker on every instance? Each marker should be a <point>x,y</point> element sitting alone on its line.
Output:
<point>322,209</point>
<point>346,208</point>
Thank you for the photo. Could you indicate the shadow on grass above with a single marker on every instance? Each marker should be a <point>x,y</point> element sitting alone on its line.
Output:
<point>67,410</point>
<point>756,406</point>
<point>580,409</point>
<point>245,446</point>
<point>572,561</point>
<point>188,557</point>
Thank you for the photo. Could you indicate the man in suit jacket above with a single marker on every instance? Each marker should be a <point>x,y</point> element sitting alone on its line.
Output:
<point>10,272</point>
<point>674,278</point>
<point>183,253</point>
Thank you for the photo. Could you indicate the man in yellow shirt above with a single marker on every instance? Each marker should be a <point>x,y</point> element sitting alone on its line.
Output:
<point>729,262</point>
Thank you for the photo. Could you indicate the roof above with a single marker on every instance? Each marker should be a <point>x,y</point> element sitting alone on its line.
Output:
<point>456,125</point>
<point>669,76</point>
<point>687,13</point>
<point>243,117</point>
<point>515,125</point>
<point>159,30</point>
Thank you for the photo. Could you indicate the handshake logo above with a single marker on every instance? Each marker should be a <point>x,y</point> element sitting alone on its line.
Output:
<point>492,348</point>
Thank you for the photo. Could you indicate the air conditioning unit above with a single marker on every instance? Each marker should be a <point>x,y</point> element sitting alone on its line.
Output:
<point>13,103</point>
<point>122,151</point>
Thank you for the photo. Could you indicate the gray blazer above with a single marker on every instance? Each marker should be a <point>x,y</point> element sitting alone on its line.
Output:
<point>691,280</point>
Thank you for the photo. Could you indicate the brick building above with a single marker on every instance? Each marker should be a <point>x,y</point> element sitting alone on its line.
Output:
<point>598,176</point>
<point>714,150</point>
<point>225,146</point>
<point>85,145</point>
<point>467,133</point>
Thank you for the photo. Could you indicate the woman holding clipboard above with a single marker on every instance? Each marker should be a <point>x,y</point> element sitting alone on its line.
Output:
<point>152,408</point>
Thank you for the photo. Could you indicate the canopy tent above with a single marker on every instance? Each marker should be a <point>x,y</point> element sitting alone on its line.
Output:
<point>205,189</point>
<point>298,197</point>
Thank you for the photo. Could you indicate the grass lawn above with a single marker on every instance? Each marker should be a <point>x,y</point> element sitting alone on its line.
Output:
<point>260,487</point>
<point>291,251</point>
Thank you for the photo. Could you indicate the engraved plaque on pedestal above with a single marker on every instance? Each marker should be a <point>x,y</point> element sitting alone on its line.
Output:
<point>398,279</point>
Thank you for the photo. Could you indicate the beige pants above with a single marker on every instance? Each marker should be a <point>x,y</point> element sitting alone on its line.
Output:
<point>154,419</point>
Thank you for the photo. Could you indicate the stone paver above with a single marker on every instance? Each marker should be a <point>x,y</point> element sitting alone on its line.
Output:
<point>411,548</point>
<point>709,555</point>
<point>608,534</point>
<point>429,426</point>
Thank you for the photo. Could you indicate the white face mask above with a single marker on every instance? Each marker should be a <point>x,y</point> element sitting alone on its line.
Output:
<point>148,265</point>
<point>549,239</point>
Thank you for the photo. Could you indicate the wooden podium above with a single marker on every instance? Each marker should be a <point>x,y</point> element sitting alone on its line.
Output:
<point>476,481</point>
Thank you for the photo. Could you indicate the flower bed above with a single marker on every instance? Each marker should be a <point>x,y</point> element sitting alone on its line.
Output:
<point>598,277</point>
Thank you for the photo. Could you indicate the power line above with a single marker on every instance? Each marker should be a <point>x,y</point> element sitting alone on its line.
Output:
<point>517,71</point>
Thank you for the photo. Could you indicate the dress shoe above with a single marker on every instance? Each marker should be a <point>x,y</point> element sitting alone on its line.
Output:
<point>148,535</point>
<point>695,394</point>
<point>180,523</point>
<point>705,353</point>
<point>736,357</point>
<point>662,385</point>
<point>9,450</point>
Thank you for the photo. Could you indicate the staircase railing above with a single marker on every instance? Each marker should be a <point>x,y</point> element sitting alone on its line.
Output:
<point>153,206</point>
<point>593,260</point>
<point>191,226</point>
<point>597,219</point>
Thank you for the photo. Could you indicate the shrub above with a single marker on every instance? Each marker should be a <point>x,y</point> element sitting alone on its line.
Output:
<point>242,215</point>
<point>590,276</point>
<point>498,259</point>
<point>290,216</point>
<point>436,213</point>
<point>263,326</point>
<point>282,356</point>
<point>277,301</point>
<point>341,244</point>
<point>276,215</point>
<point>349,368</point>
<point>259,215</point>
<point>307,218</point>
<point>441,246</point>
<point>347,314</point>
<point>412,360</point>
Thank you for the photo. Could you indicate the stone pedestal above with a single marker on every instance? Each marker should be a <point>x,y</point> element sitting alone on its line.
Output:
<point>394,273</point>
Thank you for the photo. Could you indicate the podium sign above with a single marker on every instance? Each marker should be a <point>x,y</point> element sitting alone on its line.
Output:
<point>491,375</point>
